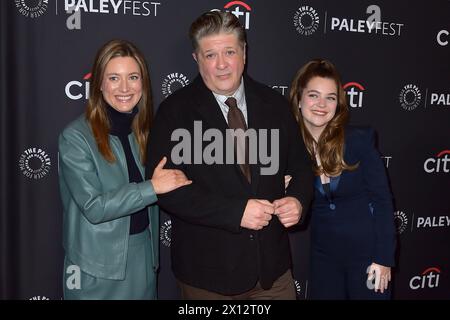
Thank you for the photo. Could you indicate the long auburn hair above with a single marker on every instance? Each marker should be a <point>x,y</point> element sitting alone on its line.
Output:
<point>96,112</point>
<point>330,145</point>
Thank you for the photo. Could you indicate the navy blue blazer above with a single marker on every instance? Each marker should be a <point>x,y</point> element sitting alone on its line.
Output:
<point>355,222</point>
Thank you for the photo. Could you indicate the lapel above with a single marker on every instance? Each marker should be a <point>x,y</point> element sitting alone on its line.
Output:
<point>258,118</point>
<point>318,185</point>
<point>207,106</point>
<point>334,183</point>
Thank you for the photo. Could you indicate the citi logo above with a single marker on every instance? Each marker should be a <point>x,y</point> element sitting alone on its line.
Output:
<point>355,93</point>
<point>438,164</point>
<point>442,38</point>
<point>428,279</point>
<point>76,90</point>
<point>245,14</point>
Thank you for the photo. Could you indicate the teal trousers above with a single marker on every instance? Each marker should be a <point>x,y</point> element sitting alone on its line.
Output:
<point>139,282</point>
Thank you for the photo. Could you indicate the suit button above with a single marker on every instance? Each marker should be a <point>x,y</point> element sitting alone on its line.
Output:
<point>252,237</point>
<point>332,206</point>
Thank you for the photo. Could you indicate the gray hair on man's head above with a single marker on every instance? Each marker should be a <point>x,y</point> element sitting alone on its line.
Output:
<point>215,22</point>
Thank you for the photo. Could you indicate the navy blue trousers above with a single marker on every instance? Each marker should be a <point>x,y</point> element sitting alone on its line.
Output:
<point>339,278</point>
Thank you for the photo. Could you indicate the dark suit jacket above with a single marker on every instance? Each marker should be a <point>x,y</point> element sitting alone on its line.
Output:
<point>357,223</point>
<point>209,248</point>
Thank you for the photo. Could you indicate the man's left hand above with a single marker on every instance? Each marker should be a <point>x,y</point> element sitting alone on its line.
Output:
<point>288,210</point>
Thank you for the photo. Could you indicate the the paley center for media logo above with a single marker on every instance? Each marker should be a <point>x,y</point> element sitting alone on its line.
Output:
<point>165,233</point>
<point>172,82</point>
<point>410,97</point>
<point>32,8</point>
<point>34,163</point>
<point>306,20</point>
<point>401,221</point>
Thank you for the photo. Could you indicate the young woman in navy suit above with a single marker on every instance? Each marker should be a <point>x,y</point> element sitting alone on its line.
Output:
<point>353,234</point>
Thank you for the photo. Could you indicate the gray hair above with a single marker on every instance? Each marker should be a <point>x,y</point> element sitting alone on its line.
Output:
<point>215,22</point>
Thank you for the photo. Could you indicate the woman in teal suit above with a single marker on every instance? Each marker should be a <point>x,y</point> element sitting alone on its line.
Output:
<point>352,222</point>
<point>111,223</point>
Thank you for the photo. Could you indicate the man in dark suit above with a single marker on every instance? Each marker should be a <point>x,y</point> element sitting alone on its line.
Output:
<point>229,227</point>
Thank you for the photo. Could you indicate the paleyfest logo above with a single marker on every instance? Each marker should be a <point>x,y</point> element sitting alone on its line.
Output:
<point>125,7</point>
<point>372,25</point>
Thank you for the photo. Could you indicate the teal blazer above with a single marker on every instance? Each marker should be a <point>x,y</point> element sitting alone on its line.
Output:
<point>98,200</point>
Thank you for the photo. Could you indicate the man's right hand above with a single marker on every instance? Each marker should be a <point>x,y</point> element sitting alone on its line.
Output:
<point>257,214</point>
